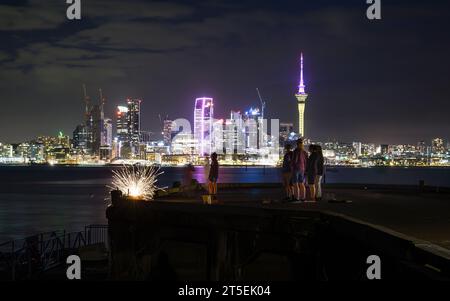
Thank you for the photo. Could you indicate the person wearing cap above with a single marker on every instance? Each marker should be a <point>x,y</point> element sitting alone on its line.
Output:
<point>300,157</point>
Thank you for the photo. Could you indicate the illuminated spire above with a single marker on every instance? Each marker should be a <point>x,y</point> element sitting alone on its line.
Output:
<point>301,87</point>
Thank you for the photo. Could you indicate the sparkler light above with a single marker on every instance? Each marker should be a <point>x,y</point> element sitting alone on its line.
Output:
<point>137,182</point>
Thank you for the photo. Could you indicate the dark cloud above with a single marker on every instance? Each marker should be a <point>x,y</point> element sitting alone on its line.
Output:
<point>382,81</point>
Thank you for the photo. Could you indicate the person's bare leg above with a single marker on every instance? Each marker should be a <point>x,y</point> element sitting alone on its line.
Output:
<point>210,187</point>
<point>296,192</point>
<point>318,185</point>
<point>302,191</point>
<point>312,192</point>
<point>215,188</point>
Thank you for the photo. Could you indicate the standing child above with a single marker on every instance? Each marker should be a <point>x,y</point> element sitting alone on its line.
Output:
<point>320,173</point>
<point>213,175</point>
<point>286,171</point>
<point>312,171</point>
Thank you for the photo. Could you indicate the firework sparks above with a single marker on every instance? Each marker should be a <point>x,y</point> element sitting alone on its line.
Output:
<point>137,182</point>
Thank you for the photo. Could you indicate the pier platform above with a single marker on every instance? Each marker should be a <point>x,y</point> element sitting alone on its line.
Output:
<point>251,234</point>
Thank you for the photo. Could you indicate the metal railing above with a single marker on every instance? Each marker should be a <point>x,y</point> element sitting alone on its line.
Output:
<point>24,258</point>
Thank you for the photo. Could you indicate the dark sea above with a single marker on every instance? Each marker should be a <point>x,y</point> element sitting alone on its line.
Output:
<point>36,199</point>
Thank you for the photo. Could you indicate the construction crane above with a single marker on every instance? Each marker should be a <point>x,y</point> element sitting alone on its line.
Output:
<point>263,104</point>
<point>86,100</point>
<point>102,99</point>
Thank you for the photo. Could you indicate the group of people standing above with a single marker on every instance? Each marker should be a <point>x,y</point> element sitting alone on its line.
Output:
<point>301,170</point>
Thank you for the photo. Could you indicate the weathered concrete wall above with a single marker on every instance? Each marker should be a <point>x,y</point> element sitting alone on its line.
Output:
<point>175,241</point>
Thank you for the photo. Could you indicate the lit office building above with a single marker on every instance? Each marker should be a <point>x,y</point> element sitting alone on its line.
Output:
<point>6,150</point>
<point>184,144</point>
<point>97,128</point>
<point>422,148</point>
<point>167,131</point>
<point>253,131</point>
<point>108,132</point>
<point>358,148</point>
<point>218,136</point>
<point>234,134</point>
<point>437,146</point>
<point>134,123</point>
<point>122,123</point>
<point>107,140</point>
<point>80,138</point>
<point>285,132</point>
<point>203,125</point>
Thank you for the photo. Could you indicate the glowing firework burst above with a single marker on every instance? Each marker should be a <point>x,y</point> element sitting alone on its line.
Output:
<point>138,182</point>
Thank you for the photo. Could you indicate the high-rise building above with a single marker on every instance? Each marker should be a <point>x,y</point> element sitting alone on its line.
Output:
<point>253,130</point>
<point>384,149</point>
<point>88,122</point>
<point>134,123</point>
<point>6,150</point>
<point>437,146</point>
<point>422,148</point>
<point>167,131</point>
<point>107,140</point>
<point>301,101</point>
<point>234,134</point>
<point>122,123</point>
<point>95,122</point>
<point>97,128</point>
<point>80,138</point>
<point>108,132</point>
<point>358,148</point>
<point>203,125</point>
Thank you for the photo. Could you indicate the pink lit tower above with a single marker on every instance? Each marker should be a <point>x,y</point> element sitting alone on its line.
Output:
<point>301,101</point>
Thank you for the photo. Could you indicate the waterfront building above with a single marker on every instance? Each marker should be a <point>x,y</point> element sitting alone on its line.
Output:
<point>183,143</point>
<point>385,150</point>
<point>437,146</point>
<point>6,150</point>
<point>422,148</point>
<point>358,148</point>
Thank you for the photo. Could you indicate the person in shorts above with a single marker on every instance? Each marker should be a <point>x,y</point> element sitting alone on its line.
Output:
<point>300,157</point>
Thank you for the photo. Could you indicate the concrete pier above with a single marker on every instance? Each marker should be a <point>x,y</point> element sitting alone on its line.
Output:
<point>251,235</point>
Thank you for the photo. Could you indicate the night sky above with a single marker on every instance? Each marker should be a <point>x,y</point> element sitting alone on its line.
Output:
<point>385,81</point>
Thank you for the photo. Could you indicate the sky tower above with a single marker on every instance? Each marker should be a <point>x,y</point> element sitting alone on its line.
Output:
<point>301,101</point>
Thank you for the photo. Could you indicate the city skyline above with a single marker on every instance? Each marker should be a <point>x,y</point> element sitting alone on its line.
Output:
<point>364,83</point>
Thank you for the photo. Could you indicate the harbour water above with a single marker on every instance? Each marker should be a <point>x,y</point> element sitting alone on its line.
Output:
<point>37,199</point>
